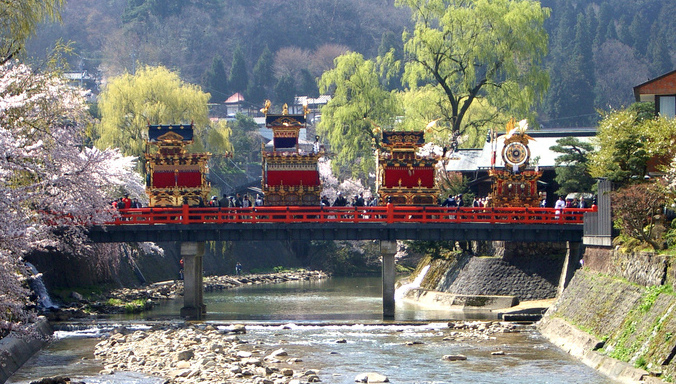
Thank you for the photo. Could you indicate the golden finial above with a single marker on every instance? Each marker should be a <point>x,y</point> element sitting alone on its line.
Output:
<point>285,109</point>
<point>510,125</point>
<point>306,110</point>
<point>266,107</point>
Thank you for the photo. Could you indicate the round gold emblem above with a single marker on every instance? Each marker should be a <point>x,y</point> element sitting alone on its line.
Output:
<point>515,153</point>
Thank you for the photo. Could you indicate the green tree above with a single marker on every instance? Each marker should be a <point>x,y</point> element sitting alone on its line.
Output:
<point>285,90</point>
<point>359,108</point>
<point>142,10</point>
<point>262,78</point>
<point>308,84</point>
<point>215,80</point>
<point>239,78</point>
<point>478,49</point>
<point>154,95</point>
<point>572,174</point>
<point>390,43</point>
<point>627,140</point>
<point>658,54</point>
<point>18,21</point>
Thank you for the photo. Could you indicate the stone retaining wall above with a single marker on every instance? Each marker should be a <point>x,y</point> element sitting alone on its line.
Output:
<point>16,350</point>
<point>641,268</point>
<point>613,324</point>
<point>528,278</point>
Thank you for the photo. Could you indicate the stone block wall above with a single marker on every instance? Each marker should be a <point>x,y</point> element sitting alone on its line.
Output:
<point>531,277</point>
<point>642,268</point>
<point>636,324</point>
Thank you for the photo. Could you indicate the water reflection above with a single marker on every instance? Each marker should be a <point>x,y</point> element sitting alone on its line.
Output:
<point>336,299</point>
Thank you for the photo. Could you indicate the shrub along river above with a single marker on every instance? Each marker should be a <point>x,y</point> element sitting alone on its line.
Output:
<point>335,326</point>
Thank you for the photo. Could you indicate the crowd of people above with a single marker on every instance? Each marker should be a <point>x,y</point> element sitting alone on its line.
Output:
<point>355,201</point>
<point>126,202</point>
<point>245,201</point>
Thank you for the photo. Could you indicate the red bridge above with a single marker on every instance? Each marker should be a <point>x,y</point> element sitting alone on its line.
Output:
<point>191,227</point>
<point>381,214</point>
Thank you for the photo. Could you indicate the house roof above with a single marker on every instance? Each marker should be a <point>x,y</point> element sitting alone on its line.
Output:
<point>467,160</point>
<point>661,85</point>
<point>234,99</point>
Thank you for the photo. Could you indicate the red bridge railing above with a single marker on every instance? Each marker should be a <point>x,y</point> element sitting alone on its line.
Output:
<point>381,214</point>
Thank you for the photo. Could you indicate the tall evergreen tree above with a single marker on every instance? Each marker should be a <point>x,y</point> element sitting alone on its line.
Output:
<point>390,42</point>
<point>239,78</point>
<point>623,33</point>
<point>640,33</point>
<point>658,54</point>
<point>555,100</point>
<point>215,80</point>
<point>604,19</point>
<point>262,78</point>
<point>285,90</point>
<point>308,84</point>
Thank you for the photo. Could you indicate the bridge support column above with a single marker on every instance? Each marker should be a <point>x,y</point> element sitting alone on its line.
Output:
<point>387,251</point>
<point>570,264</point>
<point>193,284</point>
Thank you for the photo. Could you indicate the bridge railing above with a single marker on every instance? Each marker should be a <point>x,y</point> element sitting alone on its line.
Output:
<point>382,214</point>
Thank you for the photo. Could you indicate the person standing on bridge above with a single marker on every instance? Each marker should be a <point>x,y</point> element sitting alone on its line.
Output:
<point>449,202</point>
<point>559,206</point>
<point>340,201</point>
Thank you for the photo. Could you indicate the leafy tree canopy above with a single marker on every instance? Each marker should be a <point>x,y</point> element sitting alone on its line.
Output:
<point>628,139</point>
<point>572,174</point>
<point>154,95</point>
<point>19,19</point>
<point>359,108</point>
<point>478,49</point>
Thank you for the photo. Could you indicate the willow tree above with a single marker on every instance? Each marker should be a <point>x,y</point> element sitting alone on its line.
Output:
<point>359,108</point>
<point>18,20</point>
<point>154,95</point>
<point>477,49</point>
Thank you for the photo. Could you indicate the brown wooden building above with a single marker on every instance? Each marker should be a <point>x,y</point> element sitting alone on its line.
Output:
<point>661,91</point>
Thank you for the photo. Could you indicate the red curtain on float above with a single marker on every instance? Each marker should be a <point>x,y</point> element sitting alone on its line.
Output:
<point>292,178</point>
<point>184,179</point>
<point>409,177</point>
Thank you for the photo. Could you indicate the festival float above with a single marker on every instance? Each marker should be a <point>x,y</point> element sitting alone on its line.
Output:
<point>515,185</point>
<point>404,176</point>
<point>173,176</point>
<point>290,175</point>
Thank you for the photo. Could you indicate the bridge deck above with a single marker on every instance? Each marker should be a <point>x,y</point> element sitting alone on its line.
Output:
<point>342,223</point>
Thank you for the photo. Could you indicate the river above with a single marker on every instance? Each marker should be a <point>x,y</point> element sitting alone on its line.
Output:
<point>308,318</point>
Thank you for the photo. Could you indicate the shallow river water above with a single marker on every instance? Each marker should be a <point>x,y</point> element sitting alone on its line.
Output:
<point>307,319</point>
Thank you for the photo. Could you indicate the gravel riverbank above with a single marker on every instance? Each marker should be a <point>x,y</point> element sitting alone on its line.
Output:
<point>194,354</point>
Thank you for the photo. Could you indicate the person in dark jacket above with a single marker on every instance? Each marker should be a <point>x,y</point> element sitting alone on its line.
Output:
<point>340,201</point>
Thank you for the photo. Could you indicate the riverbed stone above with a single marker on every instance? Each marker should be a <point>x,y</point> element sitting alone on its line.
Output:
<point>371,377</point>
<point>454,357</point>
<point>185,355</point>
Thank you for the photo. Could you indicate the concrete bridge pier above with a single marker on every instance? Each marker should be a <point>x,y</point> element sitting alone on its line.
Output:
<point>570,264</point>
<point>193,284</point>
<point>387,251</point>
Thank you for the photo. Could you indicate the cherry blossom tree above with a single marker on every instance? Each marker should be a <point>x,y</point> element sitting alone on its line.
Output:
<point>52,187</point>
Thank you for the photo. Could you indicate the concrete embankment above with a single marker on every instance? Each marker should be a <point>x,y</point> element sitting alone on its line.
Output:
<point>16,350</point>
<point>617,315</point>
